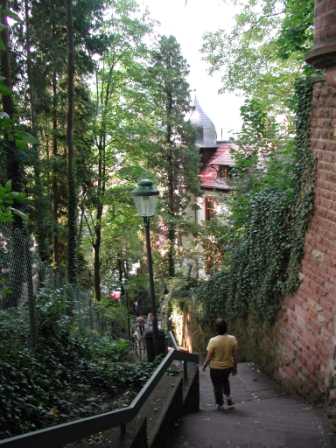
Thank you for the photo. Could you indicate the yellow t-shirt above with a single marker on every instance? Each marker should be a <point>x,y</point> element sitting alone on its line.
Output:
<point>222,348</point>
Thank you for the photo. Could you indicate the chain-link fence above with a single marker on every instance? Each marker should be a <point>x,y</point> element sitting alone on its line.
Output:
<point>27,283</point>
<point>18,274</point>
<point>99,319</point>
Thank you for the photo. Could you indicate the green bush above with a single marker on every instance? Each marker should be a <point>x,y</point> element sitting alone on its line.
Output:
<point>52,384</point>
<point>114,315</point>
<point>107,348</point>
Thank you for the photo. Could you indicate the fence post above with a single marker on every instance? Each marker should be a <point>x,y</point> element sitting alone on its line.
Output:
<point>141,440</point>
<point>192,401</point>
<point>30,290</point>
<point>122,430</point>
<point>185,370</point>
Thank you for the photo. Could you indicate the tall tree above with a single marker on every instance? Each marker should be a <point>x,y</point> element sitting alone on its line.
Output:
<point>72,194</point>
<point>38,193</point>
<point>50,76</point>
<point>11,153</point>
<point>14,169</point>
<point>178,167</point>
<point>117,100</point>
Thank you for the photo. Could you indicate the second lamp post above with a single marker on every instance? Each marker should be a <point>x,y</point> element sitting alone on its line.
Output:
<point>145,199</point>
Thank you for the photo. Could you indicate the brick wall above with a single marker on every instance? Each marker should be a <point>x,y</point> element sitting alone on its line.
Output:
<point>306,329</point>
<point>325,21</point>
<point>323,55</point>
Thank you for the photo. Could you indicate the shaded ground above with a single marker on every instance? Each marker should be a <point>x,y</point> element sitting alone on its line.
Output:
<point>263,417</point>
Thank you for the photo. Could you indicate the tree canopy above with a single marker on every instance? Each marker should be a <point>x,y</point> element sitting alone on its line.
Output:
<point>263,54</point>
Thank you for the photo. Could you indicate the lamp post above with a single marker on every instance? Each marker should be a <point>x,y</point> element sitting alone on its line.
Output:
<point>145,199</point>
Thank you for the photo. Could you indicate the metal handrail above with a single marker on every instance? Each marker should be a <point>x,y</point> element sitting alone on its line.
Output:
<point>56,436</point>
<point>172,338</point>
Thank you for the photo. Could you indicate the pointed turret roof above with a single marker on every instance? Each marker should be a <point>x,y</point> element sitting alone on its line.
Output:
<point>206,131</point>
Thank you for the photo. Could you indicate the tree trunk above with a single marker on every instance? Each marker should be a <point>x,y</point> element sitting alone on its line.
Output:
<point>96,247</point>
<point>72,200</point>
<point>171,199</point>
<point>13,165</point>
<point>96,263</point>
<point>55,191</point>
<point>171,223</point>
<point>14,172</point>
<point>99,214</point>
<point>41,230</point>
<point>101,186</point>
<point>120,268</point>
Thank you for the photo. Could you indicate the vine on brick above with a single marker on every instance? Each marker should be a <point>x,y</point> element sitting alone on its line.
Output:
<point>265,263</point>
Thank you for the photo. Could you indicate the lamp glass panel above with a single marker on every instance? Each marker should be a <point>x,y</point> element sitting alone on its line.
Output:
<point>146,205</point>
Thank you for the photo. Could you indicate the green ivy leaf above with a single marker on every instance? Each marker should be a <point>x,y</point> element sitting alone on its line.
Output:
<point>4,90</point>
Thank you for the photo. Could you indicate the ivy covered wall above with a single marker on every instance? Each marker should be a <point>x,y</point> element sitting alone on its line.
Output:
<point>286,320</point>
<point>306,327</point>
<point>266,255</point>
<point>279,293</point>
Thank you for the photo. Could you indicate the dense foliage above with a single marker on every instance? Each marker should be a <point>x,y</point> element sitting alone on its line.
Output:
<point>89,99</point>
<point>92,100</point>
<point>71,374</point>
<point>263,53</point>
<point>269,221</point>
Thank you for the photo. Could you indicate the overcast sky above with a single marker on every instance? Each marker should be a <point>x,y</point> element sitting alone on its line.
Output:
<point>188,20</point>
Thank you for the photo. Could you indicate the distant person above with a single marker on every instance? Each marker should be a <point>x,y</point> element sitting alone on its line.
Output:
<point>138,335</point>
<point>222,357</point>
<point>149,322</point>
<point>136,308</point>
<point>140,322</point>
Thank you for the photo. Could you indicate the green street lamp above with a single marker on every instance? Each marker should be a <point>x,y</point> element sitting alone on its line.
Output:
<point>145,198</point>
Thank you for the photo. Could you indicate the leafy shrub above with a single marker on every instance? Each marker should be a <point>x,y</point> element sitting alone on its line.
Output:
<point>53,384</point>
<point>213,294</point>
<point>53,312</point>
<point>114,315</point>
<point>107,348</point>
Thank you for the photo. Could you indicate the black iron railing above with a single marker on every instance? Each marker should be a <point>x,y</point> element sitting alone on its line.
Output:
<point>59,435</point>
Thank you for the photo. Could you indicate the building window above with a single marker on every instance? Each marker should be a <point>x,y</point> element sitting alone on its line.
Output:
<point>210,204</point>
<point>224,172</point>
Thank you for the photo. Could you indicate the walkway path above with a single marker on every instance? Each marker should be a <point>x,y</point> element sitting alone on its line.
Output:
<point>263,417</point>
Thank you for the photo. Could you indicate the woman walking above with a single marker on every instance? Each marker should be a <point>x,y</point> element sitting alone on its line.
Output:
<point>222,357</point>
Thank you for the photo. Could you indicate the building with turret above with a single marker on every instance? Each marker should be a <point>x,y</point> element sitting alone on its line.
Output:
<point>216,166</point>
<point>215,175</point>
